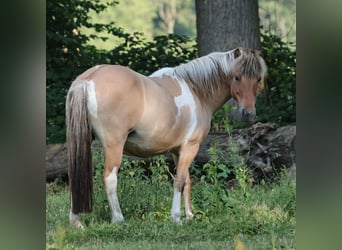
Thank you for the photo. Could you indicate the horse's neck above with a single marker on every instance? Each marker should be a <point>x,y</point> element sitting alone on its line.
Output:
<point>217,100</point>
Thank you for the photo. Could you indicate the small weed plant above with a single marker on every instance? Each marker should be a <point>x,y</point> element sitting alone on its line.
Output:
<point>216,171</point>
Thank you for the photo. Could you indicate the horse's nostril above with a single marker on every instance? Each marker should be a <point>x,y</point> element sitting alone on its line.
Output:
<point>248,115</point>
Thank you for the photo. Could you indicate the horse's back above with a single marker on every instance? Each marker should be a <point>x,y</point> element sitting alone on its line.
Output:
<point>115,75</point>
<point>115,100</point>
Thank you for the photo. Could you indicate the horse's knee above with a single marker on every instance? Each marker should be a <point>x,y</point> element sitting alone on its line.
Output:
<point>180,182</point>
<point>188,183</point>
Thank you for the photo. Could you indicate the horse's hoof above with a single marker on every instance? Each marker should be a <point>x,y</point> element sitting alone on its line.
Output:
<point>176,218</point>
<point>118,219</point>
<point>189,216</point>
<point>77,224</point>
<point>75,220</point>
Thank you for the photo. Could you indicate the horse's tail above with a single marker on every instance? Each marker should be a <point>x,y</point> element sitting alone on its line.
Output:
<point>79,139</point>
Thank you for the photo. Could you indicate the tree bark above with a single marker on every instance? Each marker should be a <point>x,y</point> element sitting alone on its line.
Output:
<point>265,147</point>
<point>223,25</point>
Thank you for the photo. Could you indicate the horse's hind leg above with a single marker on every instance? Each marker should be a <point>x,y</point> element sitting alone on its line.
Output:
<point>113,156</point>
<point>75,219</point>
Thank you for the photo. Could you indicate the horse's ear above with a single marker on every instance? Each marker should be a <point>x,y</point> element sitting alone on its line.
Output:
<point>258,52</point>
<point>237,53</point>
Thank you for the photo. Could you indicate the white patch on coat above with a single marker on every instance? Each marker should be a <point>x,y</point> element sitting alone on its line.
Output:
<point>176,206</point>
<point>111,182</point>
<point>167,71</point>
<point>93,109</point>
<point>92,101</point>
<point>185,99</point>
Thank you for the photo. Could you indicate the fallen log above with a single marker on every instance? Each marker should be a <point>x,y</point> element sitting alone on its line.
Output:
<point>56,161</point>
<point>265,147</point>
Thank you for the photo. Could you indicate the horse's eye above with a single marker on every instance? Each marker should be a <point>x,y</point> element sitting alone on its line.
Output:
<point>237,78</point>
<point>259,80</point>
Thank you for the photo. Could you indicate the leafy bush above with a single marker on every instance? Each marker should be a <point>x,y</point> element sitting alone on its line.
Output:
<point>277,103</point>
<point>146,57</point>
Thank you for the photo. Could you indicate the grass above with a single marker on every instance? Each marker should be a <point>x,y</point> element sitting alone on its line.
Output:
<point>244,217</point>
<point>262,218</point>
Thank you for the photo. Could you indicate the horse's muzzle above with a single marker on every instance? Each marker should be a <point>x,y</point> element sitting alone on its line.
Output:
<point>247,115</point>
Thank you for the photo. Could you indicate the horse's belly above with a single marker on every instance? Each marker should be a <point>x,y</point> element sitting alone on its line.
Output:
<point>136,146</point>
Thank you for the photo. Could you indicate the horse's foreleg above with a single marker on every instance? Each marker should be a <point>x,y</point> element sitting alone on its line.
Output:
<point>182,183</point>
<point>110,178</point>
<point>177,196</point>
<point>187,198</point>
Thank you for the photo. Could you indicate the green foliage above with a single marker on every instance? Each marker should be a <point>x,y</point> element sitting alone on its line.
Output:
<point>60,234</point>
<point>277,102</point>
<point>218,170</point>
<point>263,219</point>
<point>279,17</point>
<point>220,121</point>
<point>276,16</point>
<point>146,57</point>
<point>215,170</point>
<point>242,176</point>
<point>131,15</point>
<point>146,20</point>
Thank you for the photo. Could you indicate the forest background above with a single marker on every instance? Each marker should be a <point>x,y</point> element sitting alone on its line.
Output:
<point>276,16</point>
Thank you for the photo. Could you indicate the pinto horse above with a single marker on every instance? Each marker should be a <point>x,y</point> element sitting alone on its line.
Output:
<point>168,111</point>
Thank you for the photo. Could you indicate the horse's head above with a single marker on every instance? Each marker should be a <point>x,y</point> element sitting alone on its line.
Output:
<point>247,73</point>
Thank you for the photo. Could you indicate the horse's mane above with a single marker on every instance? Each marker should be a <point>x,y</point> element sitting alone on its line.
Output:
<point>206,74</point>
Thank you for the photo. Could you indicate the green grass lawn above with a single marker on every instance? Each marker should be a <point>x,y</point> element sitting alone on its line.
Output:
<point>253,217</point>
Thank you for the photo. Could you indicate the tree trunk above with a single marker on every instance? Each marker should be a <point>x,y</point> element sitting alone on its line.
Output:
<point>223,25</point>
<point>265,147</point>
<point>167,12</point>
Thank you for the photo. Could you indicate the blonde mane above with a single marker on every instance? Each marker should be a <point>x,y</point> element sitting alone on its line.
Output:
<point>206,75</point>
